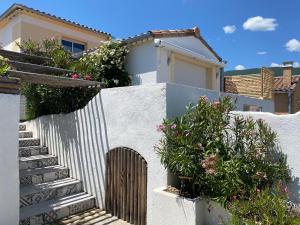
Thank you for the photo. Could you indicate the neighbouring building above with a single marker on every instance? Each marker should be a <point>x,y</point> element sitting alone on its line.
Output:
<point>20,23</point>
<point>176,56</point>
<point>277,83</point>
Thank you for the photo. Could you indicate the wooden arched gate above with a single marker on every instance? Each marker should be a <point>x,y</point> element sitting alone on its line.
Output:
<point>126,185</point>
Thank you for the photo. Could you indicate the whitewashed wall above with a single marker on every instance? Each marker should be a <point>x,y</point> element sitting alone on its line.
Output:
<point>141,63</point>
<point>9,160</point>
<point>149,64</point>
<point>116,117</point>
<point>288,130</point>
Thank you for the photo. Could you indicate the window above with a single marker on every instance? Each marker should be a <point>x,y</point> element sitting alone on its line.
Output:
<point>252,108</point>
<point>73,46</point>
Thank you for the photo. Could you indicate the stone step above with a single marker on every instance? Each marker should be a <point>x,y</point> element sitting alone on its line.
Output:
<point>36,193</point>
<point>55,209</point>
<point>25,142</point>
<point>32,151</point>
<point>93,216</point>
<point>41,175</point>
<point>37,161</point>
<point>22,127</point>
<point>25,134</point>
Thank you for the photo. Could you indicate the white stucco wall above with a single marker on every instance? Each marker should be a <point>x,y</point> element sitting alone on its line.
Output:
<point>176,210</point>
<point>288,130</point>
<point>116,117</point>
<point>178,96</point>
<point>141,63</point>
<point>193,44</point>
<point>9,160</point>
<point>6,34</point>
<point>149,64</point>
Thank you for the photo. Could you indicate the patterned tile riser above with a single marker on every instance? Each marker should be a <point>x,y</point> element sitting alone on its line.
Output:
<point>32,199</point>
<point>22,127</point>
<point>31,151</point>
<point>50,217</point>
<point>29,142</point>
<point>25,134</point>
<point>46,177</point>
<point>32,164</point>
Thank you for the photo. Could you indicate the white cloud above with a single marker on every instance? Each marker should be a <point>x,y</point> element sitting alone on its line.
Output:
<point>261,53</point>
<point>275,65</point>
<point>259,23</point>
<point>229,29</point>
<point>293,45</point>
<point>239,67</point>
<point>295,64</point>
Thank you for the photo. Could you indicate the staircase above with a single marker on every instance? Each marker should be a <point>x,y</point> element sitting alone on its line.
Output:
<point>47,193</point>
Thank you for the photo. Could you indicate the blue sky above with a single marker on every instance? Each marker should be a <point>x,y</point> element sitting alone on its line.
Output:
<point>268,27</point>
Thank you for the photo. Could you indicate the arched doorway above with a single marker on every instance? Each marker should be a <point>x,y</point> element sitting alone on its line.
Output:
<point>126,185</point>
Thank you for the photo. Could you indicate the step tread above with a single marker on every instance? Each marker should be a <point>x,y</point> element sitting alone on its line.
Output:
<point>32,147</point>
<point>36,157</point>
<point>34,188</point>
<point>42,170</point>
<point>92,216</point>
<point>26,139</point>
<point>53,204</point>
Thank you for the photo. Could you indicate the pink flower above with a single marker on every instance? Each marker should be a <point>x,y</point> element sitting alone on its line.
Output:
<point>173,127</point>
<point>258,190</point>
<point>205,98</point>
<point>285,190</point>
<point>216,104</point>
<point>87,77</point>
<point>160,128</point>
<point>75,76</point>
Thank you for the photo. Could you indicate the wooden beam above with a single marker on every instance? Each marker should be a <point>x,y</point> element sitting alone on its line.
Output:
<point>9,85</point>
<point>54,81</point>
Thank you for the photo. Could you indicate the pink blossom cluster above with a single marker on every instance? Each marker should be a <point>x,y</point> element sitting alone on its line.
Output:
<point>209,164</point>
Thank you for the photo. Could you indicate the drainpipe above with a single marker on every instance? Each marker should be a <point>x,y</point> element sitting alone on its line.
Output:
<point>290,94</point>
<point>222,79</point>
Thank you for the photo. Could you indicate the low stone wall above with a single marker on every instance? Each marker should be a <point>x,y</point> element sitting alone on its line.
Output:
<point>9,161</point>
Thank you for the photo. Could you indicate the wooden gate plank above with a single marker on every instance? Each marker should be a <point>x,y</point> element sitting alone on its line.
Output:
<point>126,185</point>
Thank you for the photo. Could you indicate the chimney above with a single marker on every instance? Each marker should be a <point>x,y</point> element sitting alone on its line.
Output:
<point>287,73</point>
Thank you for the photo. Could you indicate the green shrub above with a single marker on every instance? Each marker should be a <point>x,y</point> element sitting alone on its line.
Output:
<point>219,155</point>
<point>49,48</point>
<point>4,67</point>
<point>106,64</point>
<point>266,207</point>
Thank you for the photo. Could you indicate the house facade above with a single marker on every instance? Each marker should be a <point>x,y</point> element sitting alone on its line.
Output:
<point>20,23</point>
<point>175,56</point>
<point>283,88</point>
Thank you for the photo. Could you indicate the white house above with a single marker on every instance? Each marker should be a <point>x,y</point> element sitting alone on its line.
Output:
<point>176,56</point>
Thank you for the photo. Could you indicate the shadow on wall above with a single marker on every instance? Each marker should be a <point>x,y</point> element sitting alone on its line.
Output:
<point>80,141</point>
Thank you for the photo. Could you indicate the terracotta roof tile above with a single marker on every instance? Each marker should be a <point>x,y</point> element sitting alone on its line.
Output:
<point>278,83</point>
<point>172,33</point>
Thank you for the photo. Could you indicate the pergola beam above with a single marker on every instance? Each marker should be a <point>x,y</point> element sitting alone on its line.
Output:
<point>54,81</point>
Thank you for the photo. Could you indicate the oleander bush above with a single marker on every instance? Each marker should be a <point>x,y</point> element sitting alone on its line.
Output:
<point>219,155</point>
<point>105,65</point>
<point>266,207</point>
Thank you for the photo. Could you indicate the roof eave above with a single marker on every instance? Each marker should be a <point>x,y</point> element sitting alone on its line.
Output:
<point>15,7</point>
